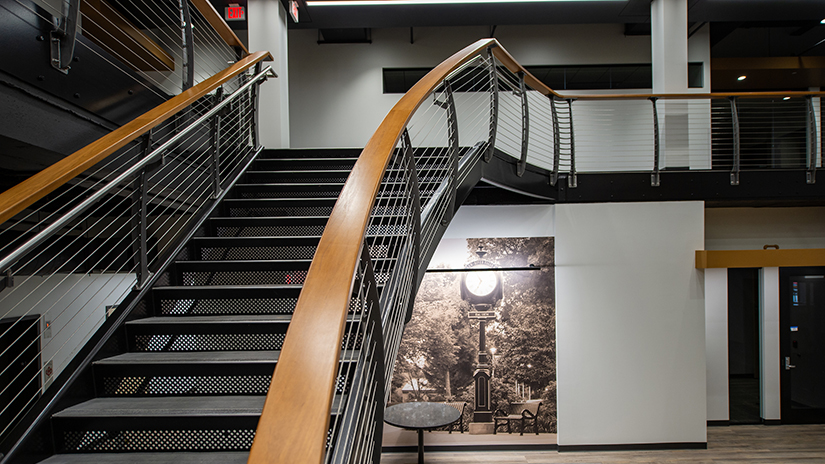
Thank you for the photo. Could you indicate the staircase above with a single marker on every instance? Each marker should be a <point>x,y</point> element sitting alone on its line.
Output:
<point>187,379</point>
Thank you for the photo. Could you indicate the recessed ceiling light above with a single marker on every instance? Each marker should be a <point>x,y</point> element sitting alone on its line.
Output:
<point>741,78</point>
<point>822,22</point>
<point>787,98</point>
<point>426,2</point>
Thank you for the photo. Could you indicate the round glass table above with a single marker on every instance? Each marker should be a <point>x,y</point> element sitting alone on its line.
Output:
<point>419,417</point>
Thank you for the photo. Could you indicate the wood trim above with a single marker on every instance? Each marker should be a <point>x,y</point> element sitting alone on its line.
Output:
<point>297,407</point>
<point>707,259</point>
<point>22,195</point>
<point>216,21</point>
<point>106,27</point>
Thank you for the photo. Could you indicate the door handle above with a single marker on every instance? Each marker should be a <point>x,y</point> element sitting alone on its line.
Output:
<point>788,365</point>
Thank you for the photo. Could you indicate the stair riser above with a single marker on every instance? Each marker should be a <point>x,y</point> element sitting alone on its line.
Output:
<point>294,164</point>
<point>121,434</point>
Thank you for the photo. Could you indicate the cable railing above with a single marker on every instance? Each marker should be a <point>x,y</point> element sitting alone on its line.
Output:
<point>476,105</point>
<point>76,247</point>
<point>76,257</point>
<point>165,46</point>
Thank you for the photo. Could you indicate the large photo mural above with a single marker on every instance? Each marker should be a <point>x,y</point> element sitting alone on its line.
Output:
<point>483,324</point>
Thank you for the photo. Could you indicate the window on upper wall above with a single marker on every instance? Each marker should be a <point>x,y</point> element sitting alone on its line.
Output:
<point>580,77</point>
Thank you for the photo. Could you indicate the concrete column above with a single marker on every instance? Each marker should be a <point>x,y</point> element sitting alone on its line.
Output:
<point>267,20</point>
<point>669,54</point>
<point>716,343</point>
<point>769,374</point>
<point>669,45</point>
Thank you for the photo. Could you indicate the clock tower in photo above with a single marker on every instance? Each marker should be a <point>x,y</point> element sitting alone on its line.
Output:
<point>481,288</point>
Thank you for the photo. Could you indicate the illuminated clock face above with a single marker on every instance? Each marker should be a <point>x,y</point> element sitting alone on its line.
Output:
<point>481,283</point>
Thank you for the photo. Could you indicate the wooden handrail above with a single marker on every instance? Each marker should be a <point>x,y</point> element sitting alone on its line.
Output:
<point>216,21</point>
<point>24,194</point>
<point>304,382</point>
<point>295,420</point>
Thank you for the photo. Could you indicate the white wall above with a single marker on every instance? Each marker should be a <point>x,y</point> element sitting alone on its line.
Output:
<point>752,228</point>
<point>502,221</point>
<point>336,97</point>
<point>75,304</point>
<point>630,324</point>
<point>267,22</point>
<point>716,343</point>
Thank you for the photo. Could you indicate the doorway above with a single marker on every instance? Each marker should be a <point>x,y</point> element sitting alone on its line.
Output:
<point>802,344</point>
<point>743,345</point>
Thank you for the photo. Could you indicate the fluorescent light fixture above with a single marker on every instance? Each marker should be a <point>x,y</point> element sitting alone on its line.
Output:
<point>741,78</point>
<point>429,2</point>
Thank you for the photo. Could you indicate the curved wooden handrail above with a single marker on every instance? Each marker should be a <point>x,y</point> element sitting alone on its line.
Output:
<point>295,420</point>
<point>24,194</point>
<point>304,382</point>
<point>216,21</point>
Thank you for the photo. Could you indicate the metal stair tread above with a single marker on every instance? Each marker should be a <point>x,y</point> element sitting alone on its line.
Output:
<point>288,184</point>
<point>173,406</point>
<point>231,265</point>
<point>285,199</point>
<point>174,457</point>
<point>177,406</point>
<point>196,357</point>
<point>226,319</point>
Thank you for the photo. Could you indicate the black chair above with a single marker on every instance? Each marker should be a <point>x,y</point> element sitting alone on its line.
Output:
<point>523,412</point>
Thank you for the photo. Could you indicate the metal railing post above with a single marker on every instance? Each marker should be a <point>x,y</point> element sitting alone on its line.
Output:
<point>409,158</point>
<point>571,179</point>
<point>215,166</point>
<point>255,103</point>
<point>525,126</point>
<point>812,140</point>
<point>654,177</point>
<point>734,111</point>
<point>491,139</point>
<point>452,125</point>
<point>554,174</point>
<point>188,46</point>
<point>140,204</point>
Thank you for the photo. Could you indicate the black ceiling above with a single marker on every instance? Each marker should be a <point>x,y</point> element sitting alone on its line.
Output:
<point>631,11</point>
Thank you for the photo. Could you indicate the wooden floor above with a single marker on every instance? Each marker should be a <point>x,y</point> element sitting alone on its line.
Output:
<point>736,444</point>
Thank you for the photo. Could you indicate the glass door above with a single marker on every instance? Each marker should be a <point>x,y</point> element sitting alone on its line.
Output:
<point>802,344</point>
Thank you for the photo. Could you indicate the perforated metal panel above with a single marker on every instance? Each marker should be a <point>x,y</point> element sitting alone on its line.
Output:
<point>228,306</point>
<point>266,211</point>
<point>244,277</point>
<point>210,342</point>
<point>326,192</point>
<point>287,252</point>
<point>275,177</point>
<point>186,385</point>
<point>157,440</point>
<point>269,231</point>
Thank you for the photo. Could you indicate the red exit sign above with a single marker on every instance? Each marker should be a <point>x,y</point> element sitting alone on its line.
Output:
<point>235,12</point>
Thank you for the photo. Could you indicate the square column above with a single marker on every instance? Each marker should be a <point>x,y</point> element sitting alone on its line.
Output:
<point>669,55</point>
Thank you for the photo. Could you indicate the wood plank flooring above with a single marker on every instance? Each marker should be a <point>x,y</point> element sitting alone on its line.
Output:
<point>737,444</point>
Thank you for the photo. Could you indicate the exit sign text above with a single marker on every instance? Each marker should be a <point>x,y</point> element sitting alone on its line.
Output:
<point>235,12</point>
